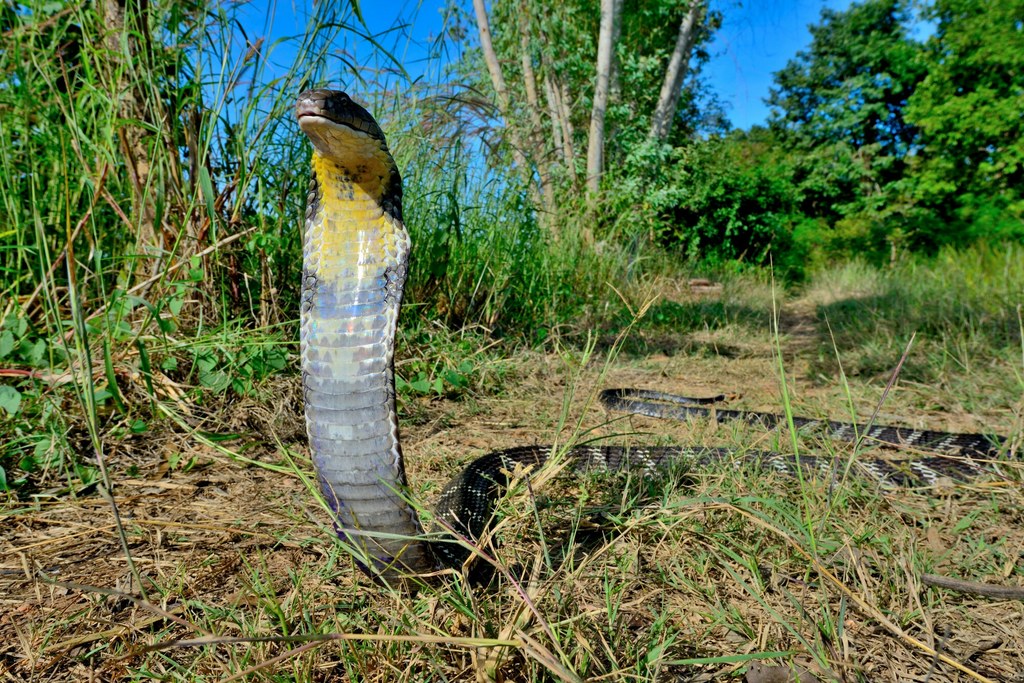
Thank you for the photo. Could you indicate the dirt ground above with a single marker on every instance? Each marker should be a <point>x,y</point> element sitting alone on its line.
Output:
<point>205,526</point>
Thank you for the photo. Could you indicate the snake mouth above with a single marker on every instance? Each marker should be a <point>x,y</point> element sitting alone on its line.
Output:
<point>313,115</point>
<point>314,118</point>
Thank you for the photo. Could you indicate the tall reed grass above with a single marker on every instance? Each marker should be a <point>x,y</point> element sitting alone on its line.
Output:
<point>151,187</point>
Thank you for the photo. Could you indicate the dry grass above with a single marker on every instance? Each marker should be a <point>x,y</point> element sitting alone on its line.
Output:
<point>691,578</point>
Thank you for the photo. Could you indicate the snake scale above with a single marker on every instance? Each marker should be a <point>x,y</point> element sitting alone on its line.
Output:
<point>355,259</point>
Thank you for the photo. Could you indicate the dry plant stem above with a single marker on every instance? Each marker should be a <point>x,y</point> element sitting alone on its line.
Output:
<point>988,590</point>
<point>121,595</point>
<point>491,658</point>
<point>78,331</point>
<point>534,649</point>
<point>869,609</point>
<point>93,531</point>
<point>885,392</point>
<point>283,657</point>
<point>114,633</point>
<point>313,640</point>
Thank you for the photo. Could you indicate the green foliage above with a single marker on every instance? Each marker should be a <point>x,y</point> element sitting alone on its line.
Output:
<point>719,200</point>
<point>136,163</point>
<point>235,365</point>
<point>480,258</point>
<point>902,146</point>
<point>648,37</point>
<point>840,107</point>
<point>22,345</point>
<point>853,82</point>
<point>971,165</point>
<point>440,363</point>
<point>10,400</point>
<point>738,208</point>
<point>555,45</point>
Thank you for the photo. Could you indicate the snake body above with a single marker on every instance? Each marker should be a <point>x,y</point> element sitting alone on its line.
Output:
<point>355,259</point>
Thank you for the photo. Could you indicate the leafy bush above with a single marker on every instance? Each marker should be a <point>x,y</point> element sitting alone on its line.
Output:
<point>717,201</point>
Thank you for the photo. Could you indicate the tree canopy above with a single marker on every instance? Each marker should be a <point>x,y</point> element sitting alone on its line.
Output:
<point>903,143</point>
<point>967,110</point>
<point>898,129</point>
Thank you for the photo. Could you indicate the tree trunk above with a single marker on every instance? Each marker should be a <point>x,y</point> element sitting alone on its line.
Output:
<point>541,153</point>
<point>668,99</point>
<point>541,197</point>
<point>132,136</point>
<point>557,95</point>
<point>555,116</point>
<point>568,132</point>
<point>498,81</point>
<point>614,88</point>
<point>605,54</point>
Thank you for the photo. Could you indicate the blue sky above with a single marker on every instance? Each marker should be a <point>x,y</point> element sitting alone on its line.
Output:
<point>757,38</point>
<point>755,41</point>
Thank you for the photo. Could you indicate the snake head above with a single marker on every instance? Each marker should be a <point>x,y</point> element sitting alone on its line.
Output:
<point>338,127</point>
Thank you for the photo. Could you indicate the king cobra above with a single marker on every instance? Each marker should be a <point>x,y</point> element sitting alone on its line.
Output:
<point>355,259</point>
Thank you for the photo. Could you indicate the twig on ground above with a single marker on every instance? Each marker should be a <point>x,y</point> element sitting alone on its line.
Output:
<point>989,590</point>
